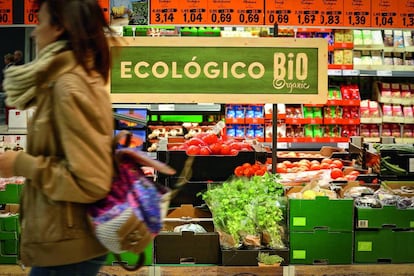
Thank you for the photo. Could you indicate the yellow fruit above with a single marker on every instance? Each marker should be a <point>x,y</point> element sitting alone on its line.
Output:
<point>309,194</point>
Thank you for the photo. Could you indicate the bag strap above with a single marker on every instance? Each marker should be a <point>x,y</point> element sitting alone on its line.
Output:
<point>135,267</point>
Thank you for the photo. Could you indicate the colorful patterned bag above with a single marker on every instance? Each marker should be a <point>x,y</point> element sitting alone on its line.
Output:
<point>131,215</point>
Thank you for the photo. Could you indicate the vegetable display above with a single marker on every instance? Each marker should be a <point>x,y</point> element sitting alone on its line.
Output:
<point>248,211</point>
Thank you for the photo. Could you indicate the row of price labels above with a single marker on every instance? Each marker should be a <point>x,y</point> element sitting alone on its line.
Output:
<point>30,10</point>
<point>328,13</point>
<point>6,12</point>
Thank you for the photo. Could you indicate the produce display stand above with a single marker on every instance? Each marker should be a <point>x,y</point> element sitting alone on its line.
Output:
<point>298,270</point>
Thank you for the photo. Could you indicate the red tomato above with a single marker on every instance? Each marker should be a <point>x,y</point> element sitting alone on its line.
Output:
<point>193,150</point>
<point>196,141</point>
<point>248,172</point>
<point>205,150</point>
<point>225,149</point>
<point>238,171</point>
<point>215,148</point>
<point>336,173</point>
<point>235,145</point>
<point>210,138</point>
<point>315,167</point>
<point>260,172</point>
<point>327,160</point>
<point>338,163</point>
<point>281,168</point>
<point>234,152</point>
<point>324,166</point>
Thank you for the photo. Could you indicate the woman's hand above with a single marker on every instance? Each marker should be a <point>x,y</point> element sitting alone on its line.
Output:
<point>7,160</point>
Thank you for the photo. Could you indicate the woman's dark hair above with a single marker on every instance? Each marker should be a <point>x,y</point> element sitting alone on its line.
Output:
<point>86,30</point>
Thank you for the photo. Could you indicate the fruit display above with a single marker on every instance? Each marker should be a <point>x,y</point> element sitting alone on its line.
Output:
<point>211,144</point>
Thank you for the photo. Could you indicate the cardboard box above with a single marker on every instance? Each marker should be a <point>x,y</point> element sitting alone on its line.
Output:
<point>401,188</point>
<point>321,247</point>
<point>384,246</point>
<point>187,213</point>
<point>187,248</point>
<point>385,217</point>
<point>11,194</point>
<point>248,257</point>
<point>321,213</point>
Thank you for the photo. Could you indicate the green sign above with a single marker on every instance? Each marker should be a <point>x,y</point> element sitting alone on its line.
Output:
<point>216,70</point>
<point>219,69</point>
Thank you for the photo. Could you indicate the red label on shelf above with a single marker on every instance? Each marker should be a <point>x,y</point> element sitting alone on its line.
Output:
<point>278,12</point>
<point>357,13</point>
<point>331,13</point>
<point>30,12</point>
<point>6,12</point>
<point>406,13</point>
<point>235,12</point>
<point>385,14</point>
<point>179,12</point>
<point>105,8</point>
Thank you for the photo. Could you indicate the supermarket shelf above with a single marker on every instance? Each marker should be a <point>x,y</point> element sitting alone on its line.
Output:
<point>368,71</point>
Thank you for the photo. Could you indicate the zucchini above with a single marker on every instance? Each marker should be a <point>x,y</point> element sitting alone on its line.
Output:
<point>399,148</point>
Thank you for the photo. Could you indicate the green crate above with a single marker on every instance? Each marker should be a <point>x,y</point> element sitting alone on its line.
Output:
<point>385,217</point>
<point>321,247</point>
<point>9,247</point>
<point>132,258</point>
<point>321,213</point>
<point>384,246</point>
<point>9,223</point>
<point>9,227</point>
<point>11,194</point>
<point>8,259</point>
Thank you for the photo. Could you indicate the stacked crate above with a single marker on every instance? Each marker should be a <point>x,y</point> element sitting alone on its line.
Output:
<point>384,235</point>
<point>9,225</point>
<point>321,231</point>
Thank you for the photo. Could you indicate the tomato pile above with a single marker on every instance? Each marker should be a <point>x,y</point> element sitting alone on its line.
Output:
<point>308,165</point>
<point>249,170</point>
<point>211,144</point>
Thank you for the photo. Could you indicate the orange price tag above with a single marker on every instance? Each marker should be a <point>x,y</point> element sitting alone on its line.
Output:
<point>407,14</point>
<point>357,13</point>
<point>235,12</point>
<point>104,4</point>
<point>6,12</point>
<point>278,12</point>
<point>30,12</point>
<point>385,15</point>
<point>192,12</point>
<point>164,12</point>
<point>304,13</point>
<point>331,13</point>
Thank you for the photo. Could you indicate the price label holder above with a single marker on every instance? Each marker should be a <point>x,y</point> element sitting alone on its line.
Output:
<point>334,72</point>
<point>282,145</point>
<point>384,73</point>
<point>357,14</point>
<point>331,13</point>
<point>184,12</point>
<point>6,12</point>
<point>407,14</point>
<point>385,15</point>
<point>278,12</point>
<point>235,12</point>
<point>30,12</point>
<point>164,12</point>
<point>351,73</point>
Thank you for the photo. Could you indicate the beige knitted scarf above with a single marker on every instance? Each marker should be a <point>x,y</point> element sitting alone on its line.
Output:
<point>20,81</point>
